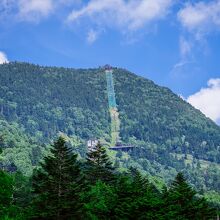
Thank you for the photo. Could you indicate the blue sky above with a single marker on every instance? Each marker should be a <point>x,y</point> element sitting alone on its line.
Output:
<point>174,43</point>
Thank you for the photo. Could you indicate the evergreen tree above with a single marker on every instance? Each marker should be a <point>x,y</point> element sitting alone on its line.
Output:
<point>146,202</point>
<point>125,197</point>
<point>57,185</point>
<point>183,203</point>
<point>100,201</point>
<point>204,210</point>
<point>137,198</point>
<point>22,194</point>
<point>6,193</point>
<point>98,165</point>
<point>140,184</point>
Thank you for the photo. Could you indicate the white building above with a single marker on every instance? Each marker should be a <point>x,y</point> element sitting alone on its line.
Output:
<point>91,144</point>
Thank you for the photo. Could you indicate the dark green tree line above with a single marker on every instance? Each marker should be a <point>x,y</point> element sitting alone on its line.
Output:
<point>64,188</point>
<point>57,185</point>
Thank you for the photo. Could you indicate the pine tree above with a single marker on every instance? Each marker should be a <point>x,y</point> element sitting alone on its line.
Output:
<point>57,185</point>
<point>140,184</point>
<point>6,193</point>
<point>100,201</point>
<point>98,165</point>
<point>146,202</point>
<point>184,204</point>
<point>137,197</point>
<point>203,210</point>
<point>124,203</point>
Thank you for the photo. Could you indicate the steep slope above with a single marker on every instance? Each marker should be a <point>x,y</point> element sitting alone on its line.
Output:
<point>48,100</point>
<point>170,134</point>
<point>155,114</point>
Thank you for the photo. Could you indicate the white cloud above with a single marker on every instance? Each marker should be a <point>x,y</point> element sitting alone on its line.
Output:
<point>69,2</point>
<point>6,7</point>
<point>185,47</point>
<point>181,64</point>
<point>200,17</point>
<point>3,58</point>
<point>33,10</point>
<point>26,10</point>
<point>131,15</point>
<point>208,100</point>
<point>92,36</point>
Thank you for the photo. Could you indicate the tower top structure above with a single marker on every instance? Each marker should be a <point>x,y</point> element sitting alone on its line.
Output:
<point>107,67</point>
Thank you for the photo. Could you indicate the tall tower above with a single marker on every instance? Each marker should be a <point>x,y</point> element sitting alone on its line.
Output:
<point>110,87</point>
<point>114,114</point>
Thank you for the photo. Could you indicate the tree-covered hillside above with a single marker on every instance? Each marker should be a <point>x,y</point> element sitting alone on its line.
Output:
<point>155,114</point>
<point>48,100</point>
<point>170,134</point>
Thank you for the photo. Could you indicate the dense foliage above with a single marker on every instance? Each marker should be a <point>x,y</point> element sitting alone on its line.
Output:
<point>19,151</point>
<point>37,103</point>
<point>62,190</point>
<point>156,115</point>
<point>57,185</point>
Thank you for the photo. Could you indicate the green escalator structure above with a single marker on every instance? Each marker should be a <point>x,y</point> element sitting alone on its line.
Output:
<point>114,114</point>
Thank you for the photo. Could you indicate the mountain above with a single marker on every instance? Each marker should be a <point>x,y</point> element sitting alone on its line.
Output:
<point>37,103</point>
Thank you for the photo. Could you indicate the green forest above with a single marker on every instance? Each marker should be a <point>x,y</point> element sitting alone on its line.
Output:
<point>66,188</point>
<point>174,144</point>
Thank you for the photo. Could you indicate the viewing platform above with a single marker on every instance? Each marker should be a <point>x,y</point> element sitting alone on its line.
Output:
<point>122,147</point>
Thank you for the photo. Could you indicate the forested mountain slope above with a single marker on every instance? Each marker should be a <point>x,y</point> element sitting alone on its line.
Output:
<point>170,134</point>
<point>155,114</point>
